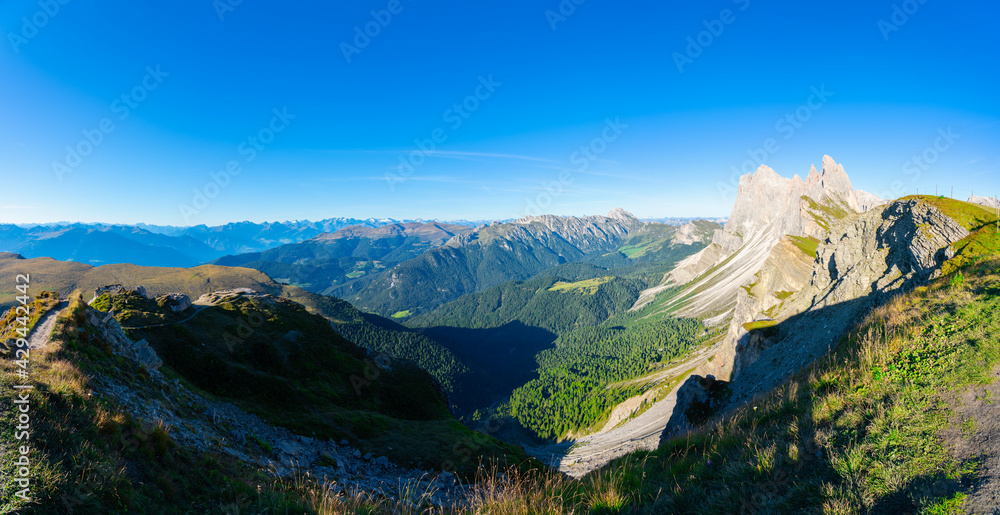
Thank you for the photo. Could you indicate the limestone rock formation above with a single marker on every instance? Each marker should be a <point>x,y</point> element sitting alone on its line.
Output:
<point>984,201</point>
<point>176,302</point>
<point>787,269</point>
<point>122,345</point>
<point>869,201</point>
<point>768,207</point>
<point>771,205</point>
<point>864,259</point>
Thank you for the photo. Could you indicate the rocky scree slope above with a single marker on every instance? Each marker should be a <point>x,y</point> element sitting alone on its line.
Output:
<point>768,207</point>
<point>865,259</point>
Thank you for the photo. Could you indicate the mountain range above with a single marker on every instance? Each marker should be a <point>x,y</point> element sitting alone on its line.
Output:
<point>791,348</point>
<point>165,245</point>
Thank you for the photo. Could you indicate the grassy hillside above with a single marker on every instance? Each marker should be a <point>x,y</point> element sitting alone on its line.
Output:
<point>271,357</point>
<point>366,330</point>
<point>90,455</point>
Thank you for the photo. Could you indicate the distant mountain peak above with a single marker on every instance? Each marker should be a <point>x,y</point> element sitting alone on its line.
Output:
<point>765,172</point>
<point>620,214</point>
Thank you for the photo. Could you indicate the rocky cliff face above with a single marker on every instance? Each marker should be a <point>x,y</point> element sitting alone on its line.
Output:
<point>770,204</point>
<point>869,201</point>
<point>587,233</point>
<point>864,259</point>
<point>768,207</point>
<point>787,269</point>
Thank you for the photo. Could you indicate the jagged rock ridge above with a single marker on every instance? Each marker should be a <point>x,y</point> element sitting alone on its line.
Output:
<point>863,260</point>
<point>767,208</point>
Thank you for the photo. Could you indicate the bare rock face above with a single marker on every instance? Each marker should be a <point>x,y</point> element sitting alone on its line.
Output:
<point>122,345</point>
<point>984,201</point>
<point>866,258</point>
<point>787,269</point>
<point>176,302</point>
<point>768,207</point>
<point>587,233</point>
<point>767,200</point>
<point>869,201</point>
<point>693,399</point>
<point>881,251</point>
<point>117,289</point>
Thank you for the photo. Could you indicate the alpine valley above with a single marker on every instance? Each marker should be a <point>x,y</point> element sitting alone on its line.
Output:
<point>819,350</point>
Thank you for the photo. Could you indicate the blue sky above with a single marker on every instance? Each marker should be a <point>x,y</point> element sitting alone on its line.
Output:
<point>666,122</point>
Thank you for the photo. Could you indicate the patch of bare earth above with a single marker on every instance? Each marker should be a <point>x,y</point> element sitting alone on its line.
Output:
<point>976,436</point>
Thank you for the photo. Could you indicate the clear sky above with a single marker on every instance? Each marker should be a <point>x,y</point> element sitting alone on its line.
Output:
<point>155,102</point>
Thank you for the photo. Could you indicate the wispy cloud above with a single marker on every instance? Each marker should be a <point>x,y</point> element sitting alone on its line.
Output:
<point>16,206</point>
<point>459,154</point>
<point>454,154</point>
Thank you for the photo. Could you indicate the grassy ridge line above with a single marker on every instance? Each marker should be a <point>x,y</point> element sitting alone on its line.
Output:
<point>88,456</point>
<point>378,334</point>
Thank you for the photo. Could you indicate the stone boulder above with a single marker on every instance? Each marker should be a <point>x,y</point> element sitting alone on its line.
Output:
<point>176,302</point>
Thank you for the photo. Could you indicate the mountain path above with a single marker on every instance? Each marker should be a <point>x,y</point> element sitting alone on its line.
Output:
<point>198,308</point>
<point>41,334</point>
<point>981,406</point>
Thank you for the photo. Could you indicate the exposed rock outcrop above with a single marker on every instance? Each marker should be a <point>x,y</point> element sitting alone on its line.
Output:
<point>176,302</point>
<point>881,251</point>
<point>869,201</point>
<point>787,269</point>
<point>864,259</point>
<point>122,345</point>
<point>768,207</point>
<point>117,289</point>
<point>771,205</point>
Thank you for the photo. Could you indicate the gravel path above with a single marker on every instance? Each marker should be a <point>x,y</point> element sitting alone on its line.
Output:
<point>982,405</point>
<point>41,335</point>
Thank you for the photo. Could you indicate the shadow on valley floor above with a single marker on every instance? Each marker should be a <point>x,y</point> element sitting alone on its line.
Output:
<point>503,358</point>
